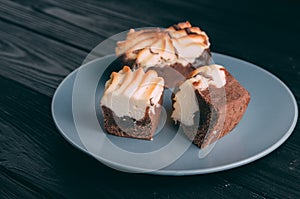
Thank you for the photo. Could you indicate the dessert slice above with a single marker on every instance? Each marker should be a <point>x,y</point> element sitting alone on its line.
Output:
<point>173,52</point>
<point>209,104</point>
<point>131,103</point>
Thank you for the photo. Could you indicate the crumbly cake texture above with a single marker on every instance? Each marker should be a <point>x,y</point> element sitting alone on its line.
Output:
<point>220,108</point>
<point>129,127</point>
<point>174,51</point>
<point>131,104</point>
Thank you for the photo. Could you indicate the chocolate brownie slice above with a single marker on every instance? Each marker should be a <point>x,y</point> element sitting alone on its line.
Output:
<point>131,103</point>
<point>209,104</point>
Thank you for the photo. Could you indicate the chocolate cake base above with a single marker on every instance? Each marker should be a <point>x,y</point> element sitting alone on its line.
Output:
<point>221,109</point>
<point>175,73</point>
<point>129,127</point>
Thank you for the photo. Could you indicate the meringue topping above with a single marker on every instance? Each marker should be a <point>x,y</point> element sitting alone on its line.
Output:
<point>180,43</point>
<point>207,76</point>
<point>129,93</point>
<point>186,104</point>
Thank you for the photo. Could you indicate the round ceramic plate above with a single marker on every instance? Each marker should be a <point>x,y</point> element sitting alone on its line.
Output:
<point>269,120</point>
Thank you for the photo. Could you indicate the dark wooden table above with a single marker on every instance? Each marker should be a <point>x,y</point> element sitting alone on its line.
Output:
<point>43,41</point>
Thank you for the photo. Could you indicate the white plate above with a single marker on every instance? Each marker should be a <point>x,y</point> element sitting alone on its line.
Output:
<point>269,120</point>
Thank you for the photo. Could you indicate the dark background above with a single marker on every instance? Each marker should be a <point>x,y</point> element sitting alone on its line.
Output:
<point>43,41</point>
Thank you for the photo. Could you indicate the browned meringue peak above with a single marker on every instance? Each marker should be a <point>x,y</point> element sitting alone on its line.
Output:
<point>129,93</point>
<point>180,43</point>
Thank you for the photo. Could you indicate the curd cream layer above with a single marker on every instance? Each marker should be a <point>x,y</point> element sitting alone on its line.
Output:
<point>186,103</point>
<point>129,93</point>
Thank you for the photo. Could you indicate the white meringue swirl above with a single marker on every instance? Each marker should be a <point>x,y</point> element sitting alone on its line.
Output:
<point>180,43</point>
<point>129,93</point>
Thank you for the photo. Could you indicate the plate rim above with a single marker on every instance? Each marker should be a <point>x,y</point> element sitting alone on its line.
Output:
<point>186,171</point>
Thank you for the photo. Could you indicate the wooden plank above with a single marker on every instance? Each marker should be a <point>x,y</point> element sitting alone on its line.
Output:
<point>49,26</point>
<point>35,159</point>
<point>83,29</point>
<point>15,186</point>
<point>34,60</point>
<point>276,177</point>
<point>95,16</point>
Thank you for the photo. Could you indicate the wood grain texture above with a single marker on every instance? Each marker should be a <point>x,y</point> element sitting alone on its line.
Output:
<point>52,60</point>
<point>43,41</point>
